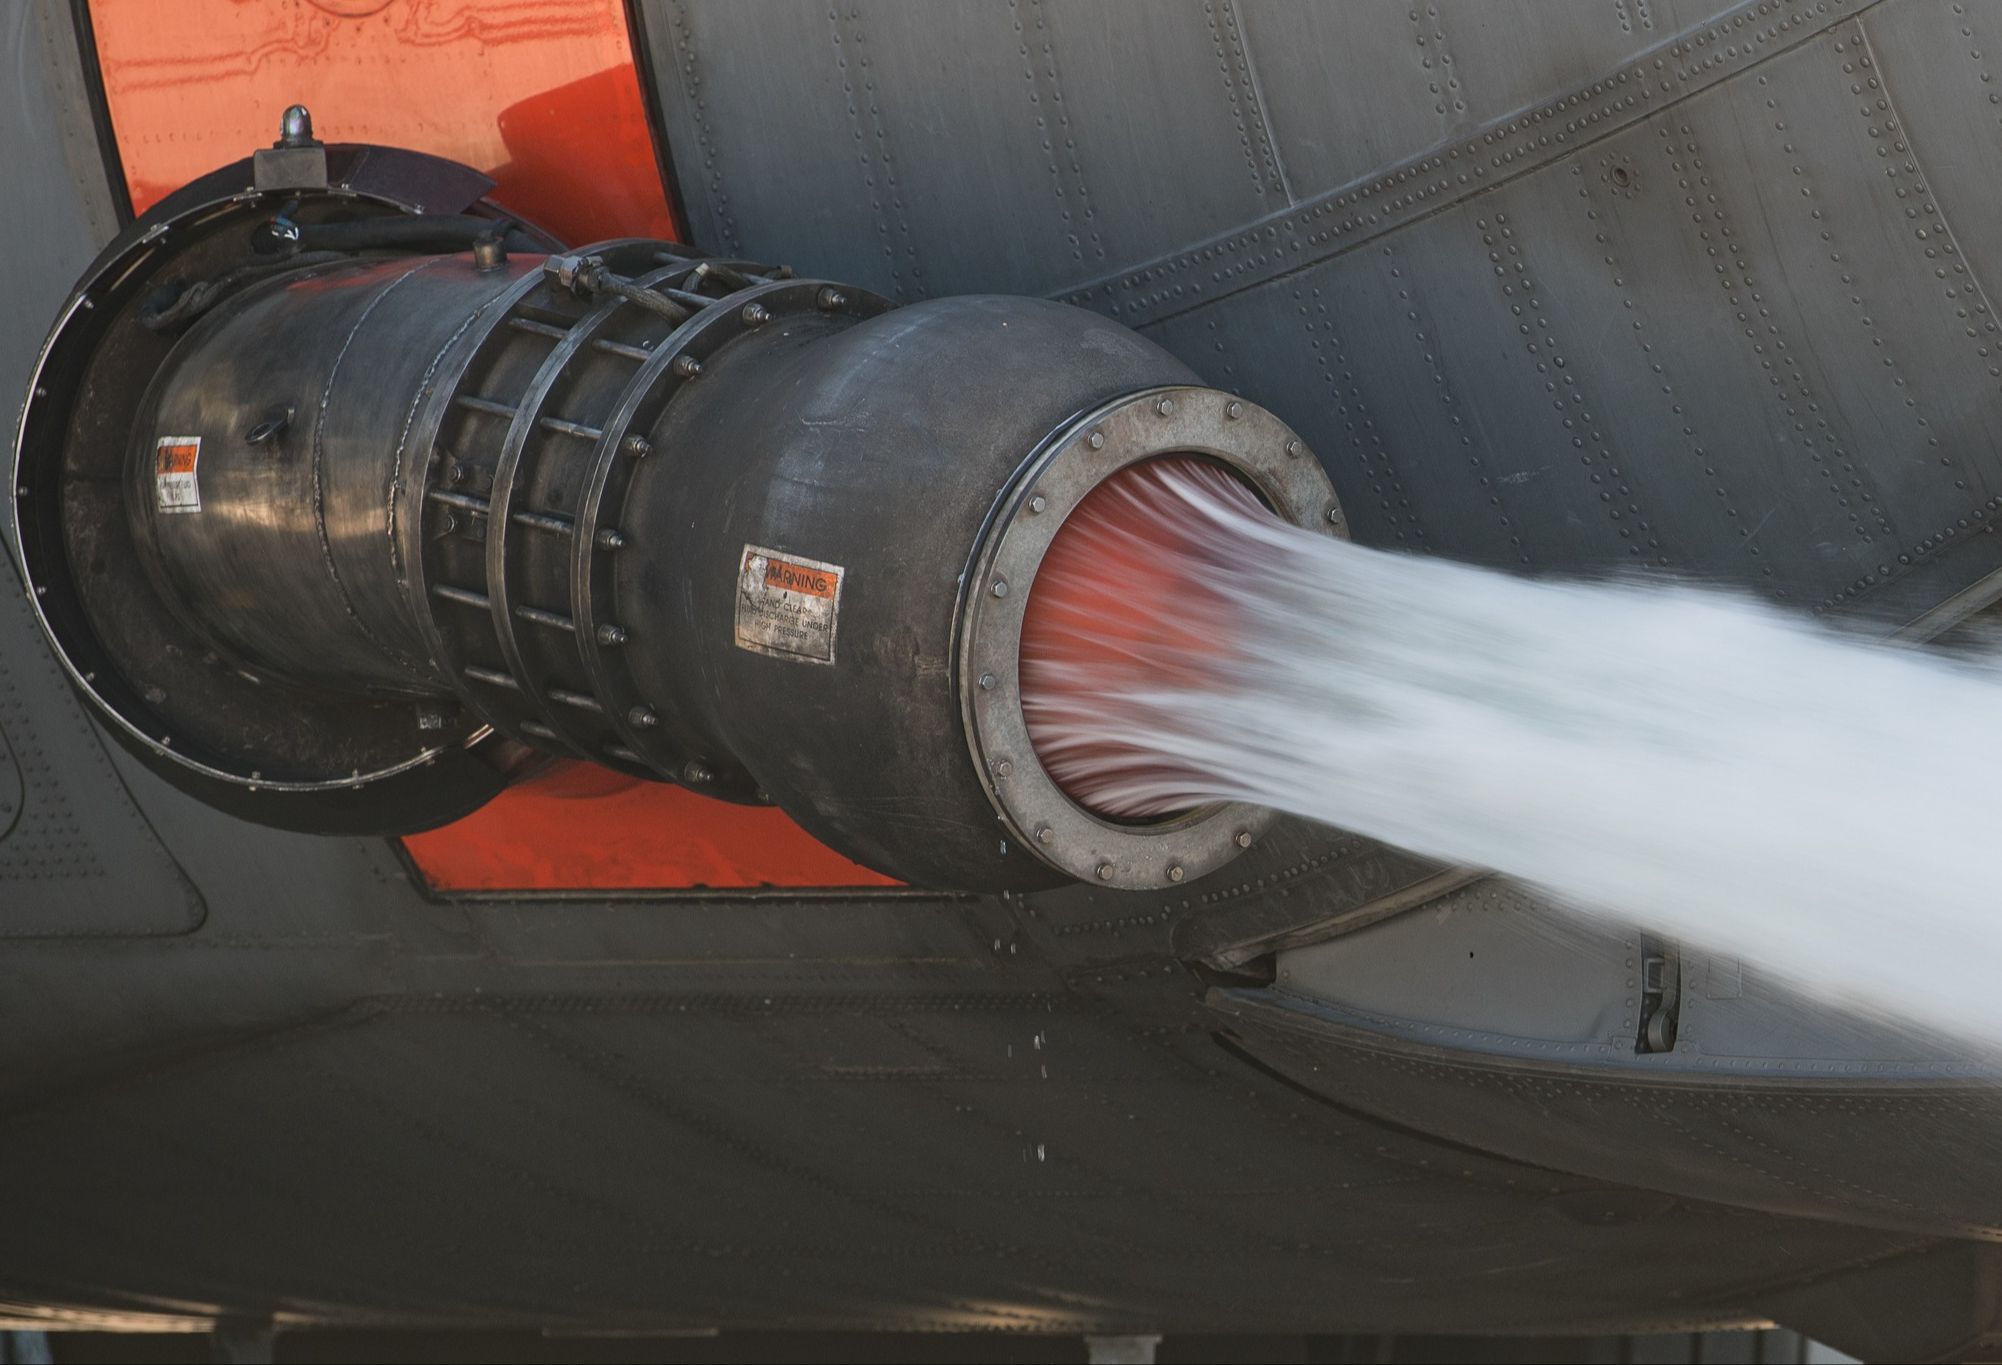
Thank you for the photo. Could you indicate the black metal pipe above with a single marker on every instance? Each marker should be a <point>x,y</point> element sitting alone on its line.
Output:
<point>698,521</point>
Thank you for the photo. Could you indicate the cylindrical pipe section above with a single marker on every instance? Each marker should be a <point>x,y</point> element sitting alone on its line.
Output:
<point>873,456</point>
<point>277,459</point>
<point>768,538</point>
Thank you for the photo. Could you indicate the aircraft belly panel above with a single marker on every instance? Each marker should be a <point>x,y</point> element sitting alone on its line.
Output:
<point>668,1158</point>
<point>77,858</point>
<point>1588,201</point>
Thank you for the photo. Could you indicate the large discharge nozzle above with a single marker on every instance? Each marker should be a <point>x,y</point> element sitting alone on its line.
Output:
<point>327,542</point>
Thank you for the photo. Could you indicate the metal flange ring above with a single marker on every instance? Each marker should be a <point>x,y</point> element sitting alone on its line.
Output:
<point>1074,460</point>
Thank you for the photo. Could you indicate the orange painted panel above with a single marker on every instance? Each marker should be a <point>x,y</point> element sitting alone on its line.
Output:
<point>582,827</point>
<point>540,94</point>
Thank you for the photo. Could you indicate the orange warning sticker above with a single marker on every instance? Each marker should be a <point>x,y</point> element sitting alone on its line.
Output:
<point>812,579</point>
<point>174,478</point>
<point>787,606</point>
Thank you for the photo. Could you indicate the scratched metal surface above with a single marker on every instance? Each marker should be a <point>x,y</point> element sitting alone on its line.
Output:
<point>1550,286</point>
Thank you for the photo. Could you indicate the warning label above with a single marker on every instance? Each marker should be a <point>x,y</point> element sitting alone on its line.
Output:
<point>174,461</point>
<point>787,606</point>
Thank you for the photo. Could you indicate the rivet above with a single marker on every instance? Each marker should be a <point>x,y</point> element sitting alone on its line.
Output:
<point>636,446</point>
<point>644,717</point>
<point>756,314</point>
<point>1037,504</point>
<point>986,681</point>
<point>1000,587</point>
<point>1105,872</point>
<point>831,299</point>
<point>1242,839</point>
<point>1165,406</point>
<point>1233,410</point>
<point>609,634</point>
<point>687,366</point>
<point>1096,440</point>
<point>1175,872</point>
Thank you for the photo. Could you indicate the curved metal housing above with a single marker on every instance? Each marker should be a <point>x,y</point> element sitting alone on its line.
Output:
<point>1098,444</point>
<point>686,517</point>
<point>336,762</point>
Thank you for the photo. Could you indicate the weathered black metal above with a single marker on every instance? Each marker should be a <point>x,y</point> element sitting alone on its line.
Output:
<point>881,448</point>
<point>303,758</point>
<point>396,502</point>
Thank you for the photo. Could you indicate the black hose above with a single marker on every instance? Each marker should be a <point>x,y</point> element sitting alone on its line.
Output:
<point>286,245</point>
<point>422,232</point>
<point>177,303</point>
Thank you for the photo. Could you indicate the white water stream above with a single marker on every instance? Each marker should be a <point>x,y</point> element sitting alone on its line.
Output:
<point>1696,762</point>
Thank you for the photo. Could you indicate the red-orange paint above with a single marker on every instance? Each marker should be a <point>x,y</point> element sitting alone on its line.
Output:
<point>540,94</point>
<point>584,827</point>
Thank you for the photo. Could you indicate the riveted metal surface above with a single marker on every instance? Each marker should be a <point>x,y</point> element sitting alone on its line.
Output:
<point>1761,1138</point>
<point>1550,287</point>
<point>1077,458</point>
<point>379,1102</point>
<point>61,209</point>
<point>77,859</point>
<point>13,792</point>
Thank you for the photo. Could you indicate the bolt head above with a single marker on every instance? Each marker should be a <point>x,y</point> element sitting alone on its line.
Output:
<point>1003,768</point>
<point>1000,587</point>
<point>1096,440</point>
<point>1233,410</point>
<point>609,539</point>
<point>295,127</point>
<point>1044,834</point>
<point>643,717</point>
<point>609,634</point>
<point>636,446</point>
<point>1175,872</point>
<point>831,299</point>
<point>986,681</point>
<point>687,366</point>
<point>756,314</point>
<point>695,774</point>
<point>1037,504</point>
<point>1164,406</point>
<point>1334,516</point>
<point>1105,872</point>
<point>1293,448</point>
<point>1242,838</point>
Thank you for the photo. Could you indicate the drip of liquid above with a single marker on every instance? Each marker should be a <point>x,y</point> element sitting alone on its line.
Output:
<point>1697,762</point>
